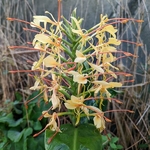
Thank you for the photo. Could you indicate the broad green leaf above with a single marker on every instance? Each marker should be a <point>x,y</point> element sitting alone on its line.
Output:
<point>16,123</point>
<point>36,143</point>
<point>114,139</point>
<point>37,125</point>
<point>83,137</point>
<point>28,131</point>
<point>15,135</point>
<point>10,120</point>
<point>32,143</point>
<point>113,146</point>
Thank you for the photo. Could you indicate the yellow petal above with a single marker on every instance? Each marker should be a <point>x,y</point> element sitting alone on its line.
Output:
<point>73,72</point>
<point>114,41</point>
<point>77,100</point>
<point>109,29</point>
<point>96,67</point>
<point>46,114</point>
<point>45,96</point>
<point>115,84</point>
<point>70,106</point>
<point>80,79</point>
<point>42,38</point>
<point>112,73</point>
<point>36,85</point>
<point>107,63</point>
<point>99,122</point>
<point>93,108</point>
<point>97,90</point>
<point>52,123</point>
<point>49,61</point>
<point>80,57</point>
<point>103,83</point>
<point>85,110</point>
<point>55,101</point>
<point>38,19</point>
<point>74,103</point>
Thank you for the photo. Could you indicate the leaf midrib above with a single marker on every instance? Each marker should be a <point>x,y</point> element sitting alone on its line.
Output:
<point>75,139</point>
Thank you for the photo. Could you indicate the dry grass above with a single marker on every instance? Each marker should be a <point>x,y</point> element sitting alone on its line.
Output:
<point>132,129</point>
<point>11,33</point>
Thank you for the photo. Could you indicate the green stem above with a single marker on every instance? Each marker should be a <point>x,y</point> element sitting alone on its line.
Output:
<point>68,34</point>
<point>76,43</point>
<point>63,59</point>
<point>87,50</point>
<point>66,42</point>
<point>68,51</point>
<point>68,89</point>
<point>65,94</point>
<point>87,70</point>
<point>65,113</point>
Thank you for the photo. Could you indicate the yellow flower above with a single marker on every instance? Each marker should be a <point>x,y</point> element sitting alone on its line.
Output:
<point>113,41</point>
<point>80,78</point>
<point>80,57</point>
<point>43,38</point>
<point>97,68</point>
<point>99,122</point>
<point>55,98</point>
<point>55,101</point>
<point>52,122</point>
<point>44,19</point>
<point>49,61</point>
<point>110,29</point>
<point>77,103</point>
<point>102,86</point>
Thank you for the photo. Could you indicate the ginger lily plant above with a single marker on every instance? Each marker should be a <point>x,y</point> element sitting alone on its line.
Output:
<point>76,66</point>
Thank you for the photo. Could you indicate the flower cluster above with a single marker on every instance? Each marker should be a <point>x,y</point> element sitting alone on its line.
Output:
<point>76,66</point>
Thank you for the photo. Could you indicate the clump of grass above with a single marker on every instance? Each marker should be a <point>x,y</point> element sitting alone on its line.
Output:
<point>12,34</point>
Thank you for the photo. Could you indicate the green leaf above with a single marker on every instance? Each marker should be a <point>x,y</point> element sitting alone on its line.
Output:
<point>113,146</point>
<point>28,132</point>
<point>114,140</point>
<point>15,135</point>
<point>74,138</point>
<point>35,143</point>
<point>3,141</point>
<point>10,120</point>
<point>17,111</point>
<point>16,123</point>
<point>18,96</point>
<point>119,147</point>
<point>37,125</point>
